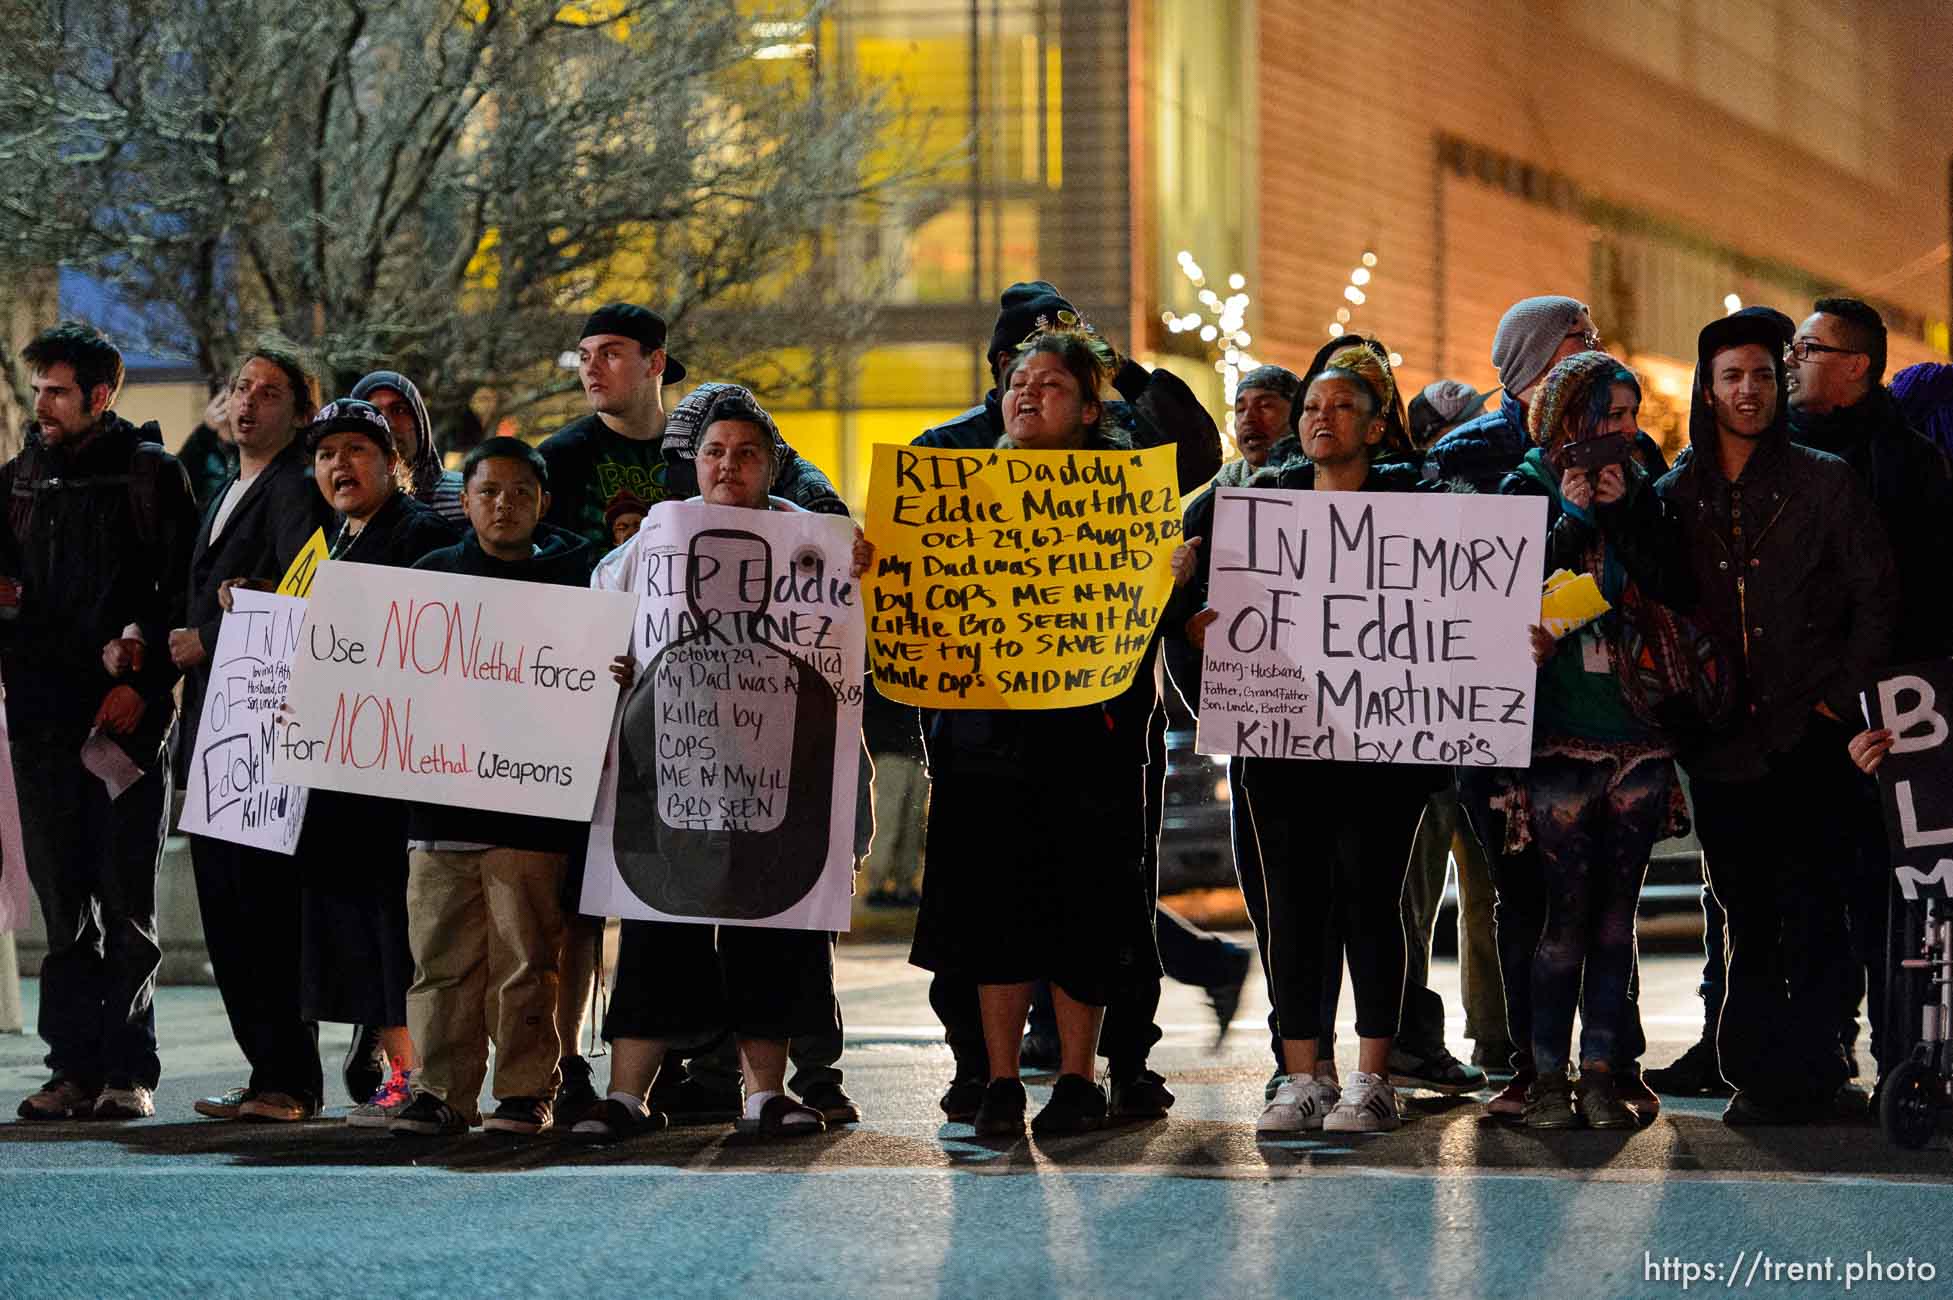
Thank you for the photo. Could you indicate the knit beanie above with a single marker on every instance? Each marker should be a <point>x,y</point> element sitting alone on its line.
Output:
<point>1566,397</point>
<point>1925,394</point>
<point>1023,303</point>
<point>1279,380</point>
<point>1442,403</point>
<point>1529,333</point>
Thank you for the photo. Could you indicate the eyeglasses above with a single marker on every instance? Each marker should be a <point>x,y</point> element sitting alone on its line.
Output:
<point>1801,349</point>
<point>1589,339</point>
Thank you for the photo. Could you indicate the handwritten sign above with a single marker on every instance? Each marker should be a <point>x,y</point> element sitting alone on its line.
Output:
<point>479,692</point>
<point>1371,627</point>
<point>15,890</point>
<point>730,794</point>
<point>1915,781</point>
<point>1017,579</point>
<point>230,794</point>
<point>298,578</point>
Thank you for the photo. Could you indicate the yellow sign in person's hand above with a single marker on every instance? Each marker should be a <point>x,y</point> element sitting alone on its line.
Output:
<point>1016,579</point>
<point>298,579</point>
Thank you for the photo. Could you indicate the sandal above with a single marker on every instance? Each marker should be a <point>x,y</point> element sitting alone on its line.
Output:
<point>611,1120</point>
<point>783,1117</point>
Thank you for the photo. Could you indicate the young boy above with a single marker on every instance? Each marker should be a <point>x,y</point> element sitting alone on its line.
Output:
<point>485,917</point>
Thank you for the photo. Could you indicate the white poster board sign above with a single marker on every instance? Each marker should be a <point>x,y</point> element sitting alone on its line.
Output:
<point>477,692</point>
<point>729,797</point>
<point>15,890</point>
<point>229,794</point>
<point>1372,627</point>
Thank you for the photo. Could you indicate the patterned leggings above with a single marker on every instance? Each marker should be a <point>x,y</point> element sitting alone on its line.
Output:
<point>1594,834</point>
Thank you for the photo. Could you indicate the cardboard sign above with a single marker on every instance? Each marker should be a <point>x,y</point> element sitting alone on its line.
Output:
<point>1915,780</point>
<point>298,578</point>
<point>15,890</point>
<point>729,794</point>
<point>230,794</point>
<point>478,692</point>
<point>1017,579</point>
<point>1372,627</point>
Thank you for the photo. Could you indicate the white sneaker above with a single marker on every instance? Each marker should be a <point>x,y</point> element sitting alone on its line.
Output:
<point>1368,1105</point>
<point>1297,1106</point>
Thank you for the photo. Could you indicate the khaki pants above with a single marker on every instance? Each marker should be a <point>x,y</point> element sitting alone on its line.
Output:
<point>485,927</point>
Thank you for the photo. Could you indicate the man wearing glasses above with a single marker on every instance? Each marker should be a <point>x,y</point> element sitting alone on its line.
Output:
<point>1838,403</point>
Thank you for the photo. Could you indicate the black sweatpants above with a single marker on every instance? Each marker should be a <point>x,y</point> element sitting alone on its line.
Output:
<point>250,904</point>
<point>1335,844</point>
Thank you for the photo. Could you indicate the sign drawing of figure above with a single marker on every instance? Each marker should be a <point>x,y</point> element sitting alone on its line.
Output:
<point>726,756</point>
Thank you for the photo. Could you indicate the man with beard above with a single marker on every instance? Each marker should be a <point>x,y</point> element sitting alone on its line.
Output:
<point>1839,404</point>
<point>1795,584</point>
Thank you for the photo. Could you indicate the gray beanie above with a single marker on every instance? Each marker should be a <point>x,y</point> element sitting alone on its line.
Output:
<point>1530,332</point>
<point>1279,380</point>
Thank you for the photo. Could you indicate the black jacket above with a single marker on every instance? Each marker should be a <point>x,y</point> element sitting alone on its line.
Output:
<point>1642,534</point>
<point>1792,575</point>
<point>99,534</point>
<point>562,559</point>
<point>399,533</point>
<point>1910,484</point>
<point>1159,409</point>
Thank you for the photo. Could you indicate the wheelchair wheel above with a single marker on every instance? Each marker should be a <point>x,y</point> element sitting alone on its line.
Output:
<point>1909,1109</point>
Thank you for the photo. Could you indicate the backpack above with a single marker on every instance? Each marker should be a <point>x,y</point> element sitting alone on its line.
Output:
<point>1673,675</point>
<point>146,464</point>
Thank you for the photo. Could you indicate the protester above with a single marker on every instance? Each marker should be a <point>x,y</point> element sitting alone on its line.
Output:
<point>1838,404</point>
<point>678,981</point>
<point>1796,584</point>
<point>1925,396</point>
<point>1441,406</point>
<point>484,909</point>
<point>209,455</point>
<point>624,517</point>
<point>253,530</point>
<point>1534,335</point>
<point>1036,818</point>
<point>894,869</point>
<point>1334,837</point>
<point>1601,787</point>
<point>96,544</point>
<point>351,857</point>
<point>396,397</point>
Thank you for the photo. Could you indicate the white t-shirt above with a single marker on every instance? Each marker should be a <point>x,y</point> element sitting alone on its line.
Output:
<point>229,503</point>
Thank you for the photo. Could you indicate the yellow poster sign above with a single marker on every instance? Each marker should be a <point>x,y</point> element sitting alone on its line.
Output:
<point>1016,579</point>
<point>298,579</point>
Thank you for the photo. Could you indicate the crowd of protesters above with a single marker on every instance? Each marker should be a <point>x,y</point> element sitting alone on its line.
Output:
<point>1792,551</point>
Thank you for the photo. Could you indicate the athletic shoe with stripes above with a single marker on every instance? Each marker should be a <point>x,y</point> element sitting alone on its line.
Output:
<point>1368,1105</point>
<point>1297,1106</point>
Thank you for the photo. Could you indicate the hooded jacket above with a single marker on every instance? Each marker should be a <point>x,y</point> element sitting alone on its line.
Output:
<point>799,480</point>
<point>1792,575</point>
<point>1158,409</point>
<point>99,533</point>
<point>561,559</point>
<point>1479,453</point>
<point>1910,484</point>
<point>432,484</point>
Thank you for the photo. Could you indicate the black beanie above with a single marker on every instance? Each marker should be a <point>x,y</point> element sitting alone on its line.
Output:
<point>1022,304</point>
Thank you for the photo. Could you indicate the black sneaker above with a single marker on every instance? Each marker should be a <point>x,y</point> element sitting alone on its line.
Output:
<point>1435,1071</point>
<point>1746,1109</point>
<point>1695,1073</point>
<point>691,1104</point>
<point>834,1104</point>
<point>1002,1111</point>
<point>577,1092</point>
<point>1494,1056</point>
<point>526,1115</point>
<point>428,1116</point>
<point>1138,1096</point>
<point>1077,1105</point>
<point>1225,997</point>
<point>1549,1103</point>
<point>963,1098</point>
<point>366,1068</point>
<point>1038,1051</point>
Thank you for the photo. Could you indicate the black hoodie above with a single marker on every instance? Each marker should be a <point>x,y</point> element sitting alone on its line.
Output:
<point>99,531</point>
<point>1792,573</point>
<point>561,559</point>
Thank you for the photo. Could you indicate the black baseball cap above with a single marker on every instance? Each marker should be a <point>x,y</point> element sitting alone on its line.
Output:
<point>639,324</point>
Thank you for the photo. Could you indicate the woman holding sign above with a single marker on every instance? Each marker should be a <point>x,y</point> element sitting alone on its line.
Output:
<point>1601,788</point>
<point>1335,836</point>
<point>355,965</point>
<point>1036,815</point>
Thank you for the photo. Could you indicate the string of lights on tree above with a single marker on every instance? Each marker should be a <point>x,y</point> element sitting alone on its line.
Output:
<point>1355,295</point>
